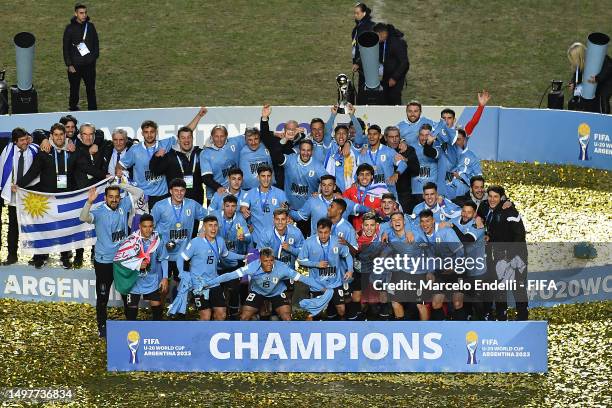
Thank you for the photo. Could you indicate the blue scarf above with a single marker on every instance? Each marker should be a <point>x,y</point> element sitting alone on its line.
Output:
<point>316,305</point>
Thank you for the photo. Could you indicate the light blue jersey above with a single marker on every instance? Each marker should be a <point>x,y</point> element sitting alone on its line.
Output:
<point>250,161</point>
<point>301,179</point>
<point>447,211</point>
<point>338,257</point>
<point>442,243</point>
<point>315,208</point>
<point>149,281</point>
<point>204,257</point>
<point>428,170</point>
<point>229,229</point>
<point>216,203</point>
<point>292,236</point>
<point>175,223</point>
<point>219,162</point>
<point>139,157</point>
<point>268,284</point>
<point>262,206</point>
<point>468,166</point>
<point>473,250</point>
<point>111,229</point>
<point>410,131</point>
<point>384,164</point>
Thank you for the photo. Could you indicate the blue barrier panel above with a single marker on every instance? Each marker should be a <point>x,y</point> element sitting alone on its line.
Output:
<point>563,137</point>
<point>542,135</point>
<point>327,346</point>
<point>550,288</point>
<point>483,140</point>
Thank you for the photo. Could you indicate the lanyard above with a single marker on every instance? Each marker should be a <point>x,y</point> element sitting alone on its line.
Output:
<point>213,248</point>
<point>325,251</point>
<point>281,240</point>
<point>384,51</point>
<point>361,195</point>
<point>178,216</point>
<point>225,229</point>
<point>65,162</point>
<point>181,164</point>
<point>85,31</point>
<point>263,203</point>
<point>375,158</point>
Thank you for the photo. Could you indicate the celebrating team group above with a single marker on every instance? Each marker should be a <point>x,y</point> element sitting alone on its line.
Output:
<point>247,225</point>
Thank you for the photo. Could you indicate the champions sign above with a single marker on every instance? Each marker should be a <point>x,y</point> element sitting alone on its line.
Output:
<point>327,346</point>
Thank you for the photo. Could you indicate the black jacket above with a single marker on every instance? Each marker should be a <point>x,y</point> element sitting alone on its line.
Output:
<point>404,181</point>
<point>87,170</point>
<point>505,227</point>
<point>168,166</point>
<point>44,166</point>
<point>73,36</point>
<point>395,59</point>
<point>108,149</point>
<point>366,24</point>
<point>277,151</point>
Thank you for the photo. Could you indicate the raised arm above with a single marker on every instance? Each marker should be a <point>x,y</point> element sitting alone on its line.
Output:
<point>85,214</point>
<point>196,119</point>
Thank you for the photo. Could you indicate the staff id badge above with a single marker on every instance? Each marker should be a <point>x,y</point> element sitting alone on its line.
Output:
<point>83,50</point>
<point>62,181</point>
<point>188,181</point>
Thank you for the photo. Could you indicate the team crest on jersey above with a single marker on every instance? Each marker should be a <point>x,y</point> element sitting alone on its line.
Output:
<point>442,217</point>
<point>438,239</point>
<point>383,157</point>
<point>233,148</point>
<point>188,212</point>
<point>290,240</point>
<point>466,161</point>
<point>335,250</point>
<point>121,211</point>
<point>311,173</point>
<point>372,198</point>
<point>274,280</point>
<point>274,201</point>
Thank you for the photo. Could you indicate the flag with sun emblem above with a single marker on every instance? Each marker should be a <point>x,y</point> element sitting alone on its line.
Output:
<point>49,222</point>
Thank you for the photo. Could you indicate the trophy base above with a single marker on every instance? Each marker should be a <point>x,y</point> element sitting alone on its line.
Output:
<point>370,97</point>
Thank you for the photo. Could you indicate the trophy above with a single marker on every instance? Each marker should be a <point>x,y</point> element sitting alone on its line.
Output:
<point>584,133</point>
<point>471,342</point>
<point>343,92</point>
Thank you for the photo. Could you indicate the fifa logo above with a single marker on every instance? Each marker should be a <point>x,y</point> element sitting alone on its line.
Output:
<point>584,134</point>
<point>133,340</point>
<point>471,343</point>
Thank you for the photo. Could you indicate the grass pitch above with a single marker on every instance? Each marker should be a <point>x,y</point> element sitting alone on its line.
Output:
<point>238,52</point>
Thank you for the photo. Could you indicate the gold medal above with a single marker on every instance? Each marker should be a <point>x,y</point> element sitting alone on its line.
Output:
<point>178,225</point>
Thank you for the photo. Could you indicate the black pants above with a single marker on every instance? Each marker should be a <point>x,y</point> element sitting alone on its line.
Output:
<point>13,232</point>
<point>88,74</point>
<point>393,95</point>
<point>104,280</point>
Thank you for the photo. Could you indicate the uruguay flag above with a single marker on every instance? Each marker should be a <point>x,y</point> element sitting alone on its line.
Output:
<point>49,222</point>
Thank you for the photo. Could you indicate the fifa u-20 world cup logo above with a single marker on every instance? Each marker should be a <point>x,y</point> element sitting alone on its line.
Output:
<point>584,133</point>
<point>133,340</point>
<point>471,342</point>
